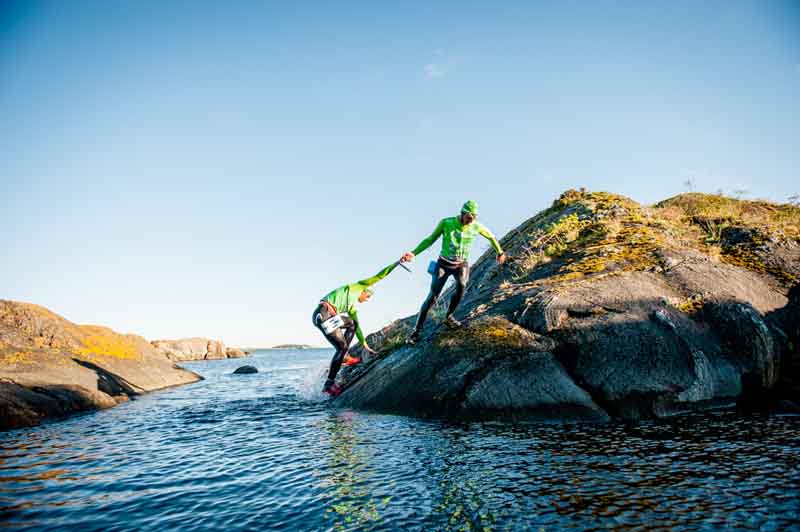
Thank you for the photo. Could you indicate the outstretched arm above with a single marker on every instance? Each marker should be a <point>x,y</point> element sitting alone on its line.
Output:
<point>378,276</point>
<point>425,244</point>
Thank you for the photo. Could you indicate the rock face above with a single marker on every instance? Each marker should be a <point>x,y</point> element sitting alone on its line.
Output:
<point>607,309</point>
<point>491,365</point>
<point>785,323</point>
<point>187,349</point>
<point>235,352</point>
<point>50,367</point>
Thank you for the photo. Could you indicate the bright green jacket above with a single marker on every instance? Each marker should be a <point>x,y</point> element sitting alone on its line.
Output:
<point>457,239</point>
<point>345,298</point>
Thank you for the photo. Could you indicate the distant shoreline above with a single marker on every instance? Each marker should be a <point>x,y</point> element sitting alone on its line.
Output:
<point>287,346</point>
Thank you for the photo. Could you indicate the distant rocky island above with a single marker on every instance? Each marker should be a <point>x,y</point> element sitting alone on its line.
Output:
<point>292,346</point>
<point>51,367</point>
<point>608,309</point>
<point>187,349</point>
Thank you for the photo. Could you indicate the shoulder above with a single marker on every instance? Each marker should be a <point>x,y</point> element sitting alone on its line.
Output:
<point>446,222</point>
<point>337,291</point>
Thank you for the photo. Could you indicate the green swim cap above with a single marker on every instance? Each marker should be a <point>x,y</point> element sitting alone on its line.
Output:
<point>470,207</point>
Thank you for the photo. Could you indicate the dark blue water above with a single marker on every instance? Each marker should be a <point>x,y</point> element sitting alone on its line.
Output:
<point>265,452</point>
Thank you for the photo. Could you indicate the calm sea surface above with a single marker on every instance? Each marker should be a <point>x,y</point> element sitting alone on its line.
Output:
<point>265,452</point>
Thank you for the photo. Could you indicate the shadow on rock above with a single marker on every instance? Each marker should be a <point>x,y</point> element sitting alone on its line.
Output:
<point>110,383</point>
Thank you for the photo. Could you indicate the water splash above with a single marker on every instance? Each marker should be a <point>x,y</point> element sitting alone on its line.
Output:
<point>310,386</point>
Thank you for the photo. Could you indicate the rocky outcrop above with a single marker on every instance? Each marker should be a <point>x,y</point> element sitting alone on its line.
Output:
<point>235,352</point>
<point>187,349</point>
<point>490,366</point>
<point>245,370</point>
<point>50,367</point>
<point>607,309</point>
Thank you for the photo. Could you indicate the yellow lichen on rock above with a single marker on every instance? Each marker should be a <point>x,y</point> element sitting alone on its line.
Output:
<point>493,334</point>
<point>591,234</point>
<point>12,358</point>
<point>576,220</point>
<point>52,367</point>
<point>691,305</point>
<point>627,246</point>
<point>767,216</point>
<point>102,341</point>
<point>756,235</point>
<point>746,258</point>
<point>563,232</point>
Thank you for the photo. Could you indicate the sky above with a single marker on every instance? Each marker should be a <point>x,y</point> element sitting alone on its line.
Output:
<point>191,168</point>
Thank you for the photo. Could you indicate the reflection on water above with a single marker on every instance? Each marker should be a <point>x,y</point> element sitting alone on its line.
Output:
<point>352,504</point>
<point>260,452</point>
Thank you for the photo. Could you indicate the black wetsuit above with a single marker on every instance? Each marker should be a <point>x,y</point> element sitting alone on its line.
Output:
<point>444,269</point>
<point>340,338</point>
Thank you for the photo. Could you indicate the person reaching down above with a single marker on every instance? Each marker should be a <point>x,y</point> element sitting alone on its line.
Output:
<point>336,317</point>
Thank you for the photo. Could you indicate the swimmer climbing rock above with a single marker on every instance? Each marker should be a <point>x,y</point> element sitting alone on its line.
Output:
<point>458,233</point>
<point>337,318</point>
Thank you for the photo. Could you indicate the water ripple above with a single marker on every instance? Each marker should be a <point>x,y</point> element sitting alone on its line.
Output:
<point>264,452</point>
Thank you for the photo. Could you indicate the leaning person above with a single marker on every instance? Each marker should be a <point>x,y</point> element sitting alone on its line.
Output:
<point>337,318</point>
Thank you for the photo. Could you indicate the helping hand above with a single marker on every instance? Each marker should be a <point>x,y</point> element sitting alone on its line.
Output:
<point>407,257</point>
<point>502,258</point>
<point>369,350</point>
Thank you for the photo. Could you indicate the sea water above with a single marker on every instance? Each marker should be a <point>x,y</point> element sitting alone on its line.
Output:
<point>268,452</point>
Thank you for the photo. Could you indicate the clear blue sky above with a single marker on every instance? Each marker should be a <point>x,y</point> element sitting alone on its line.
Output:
<point>214,168</point>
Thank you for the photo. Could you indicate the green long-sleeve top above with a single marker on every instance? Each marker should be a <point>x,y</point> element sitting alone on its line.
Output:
<point>345,298</point>
<point>457,239</point>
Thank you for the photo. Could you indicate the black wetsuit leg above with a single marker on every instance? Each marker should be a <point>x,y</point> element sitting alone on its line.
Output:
<point>340,338</point>
<point>462,278</point>
<point>443,271</point>
<point>439,278</point>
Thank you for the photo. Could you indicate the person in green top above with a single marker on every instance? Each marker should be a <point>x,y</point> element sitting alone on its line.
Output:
<point>342,303</point>
<point>458,234</point>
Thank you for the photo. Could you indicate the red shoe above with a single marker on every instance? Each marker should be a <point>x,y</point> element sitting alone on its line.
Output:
<point>332,389</point>
<point>350,361</point>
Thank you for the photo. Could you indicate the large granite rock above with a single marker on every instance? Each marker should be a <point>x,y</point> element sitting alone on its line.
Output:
<point>607,310</point>
<point>491,366</point>
<point>50,367</point>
